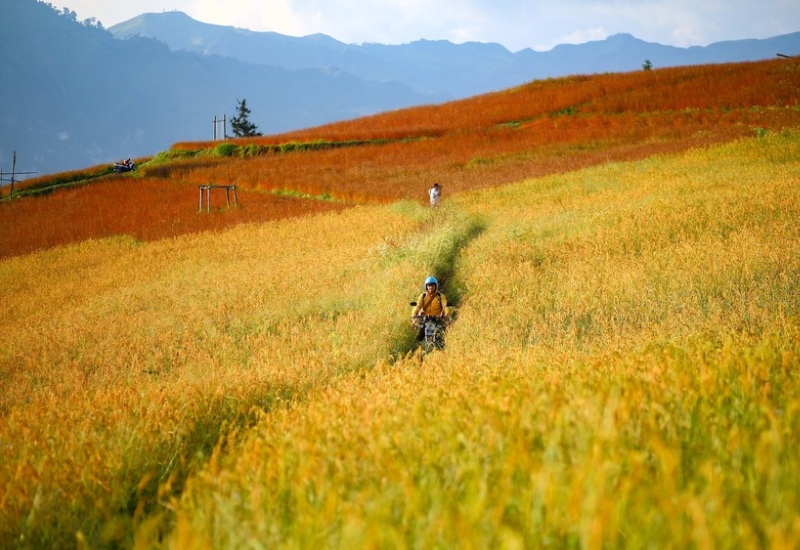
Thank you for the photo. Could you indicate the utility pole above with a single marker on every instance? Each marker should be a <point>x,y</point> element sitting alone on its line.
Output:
<point>13,168</point>
<point>14,173</point>
<point>222,121</point>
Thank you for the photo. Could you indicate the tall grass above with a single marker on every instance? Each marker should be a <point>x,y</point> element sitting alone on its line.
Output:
<point>707,244</point>
<point>146,209</point>
<point>622,374</point>
<point>124,361</point>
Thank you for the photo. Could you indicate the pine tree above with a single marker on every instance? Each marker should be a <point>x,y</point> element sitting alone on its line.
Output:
<point>240,124</point>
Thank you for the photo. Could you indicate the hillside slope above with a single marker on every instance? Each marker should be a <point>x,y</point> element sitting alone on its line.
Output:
<point>637,321</point>
<point>540,128</point>
<point>620,252</point>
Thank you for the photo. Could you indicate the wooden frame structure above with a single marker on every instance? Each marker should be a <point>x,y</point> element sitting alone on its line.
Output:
<point>207,189</point>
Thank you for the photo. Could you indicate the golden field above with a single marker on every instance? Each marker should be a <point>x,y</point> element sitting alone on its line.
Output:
<point>621,373</point>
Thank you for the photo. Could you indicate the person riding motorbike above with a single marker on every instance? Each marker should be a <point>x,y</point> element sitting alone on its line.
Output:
<point>430,303</point>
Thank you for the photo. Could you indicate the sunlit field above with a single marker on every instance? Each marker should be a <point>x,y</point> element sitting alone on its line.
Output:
<point>621,371</point>
<point>124,361</point>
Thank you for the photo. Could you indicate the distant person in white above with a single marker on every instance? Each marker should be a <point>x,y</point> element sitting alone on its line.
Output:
<point>435,193</point>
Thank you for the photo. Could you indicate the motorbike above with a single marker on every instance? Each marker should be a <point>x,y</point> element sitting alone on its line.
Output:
<point>120,167</point>
<point>432,329</point>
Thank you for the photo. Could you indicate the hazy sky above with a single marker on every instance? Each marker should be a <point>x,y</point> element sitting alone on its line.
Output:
<point>516,24</point>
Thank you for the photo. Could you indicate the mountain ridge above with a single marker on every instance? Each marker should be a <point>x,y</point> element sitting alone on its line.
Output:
<point>431,66</point>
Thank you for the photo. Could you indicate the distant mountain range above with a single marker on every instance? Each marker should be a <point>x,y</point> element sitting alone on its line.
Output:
<point>74,94</point>
<point>439,66</point>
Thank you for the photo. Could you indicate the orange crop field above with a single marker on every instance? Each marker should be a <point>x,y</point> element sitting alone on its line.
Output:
<point>145,208</point>
<point>540,128</point>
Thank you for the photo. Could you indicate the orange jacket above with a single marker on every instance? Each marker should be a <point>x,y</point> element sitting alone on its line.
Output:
<point>435,305</point>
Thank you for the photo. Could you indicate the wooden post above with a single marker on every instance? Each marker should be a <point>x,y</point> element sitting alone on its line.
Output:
<point>13,169</point>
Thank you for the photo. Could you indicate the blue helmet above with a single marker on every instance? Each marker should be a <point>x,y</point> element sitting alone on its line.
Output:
<point>431,281</point>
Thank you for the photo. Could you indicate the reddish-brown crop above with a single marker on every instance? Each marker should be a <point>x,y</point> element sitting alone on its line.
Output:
<point>539,128</point>
<point>146,208</point>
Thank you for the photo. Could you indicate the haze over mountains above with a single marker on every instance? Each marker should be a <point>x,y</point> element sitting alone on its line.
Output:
<point>458,70</point>
<point>74,94</point>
